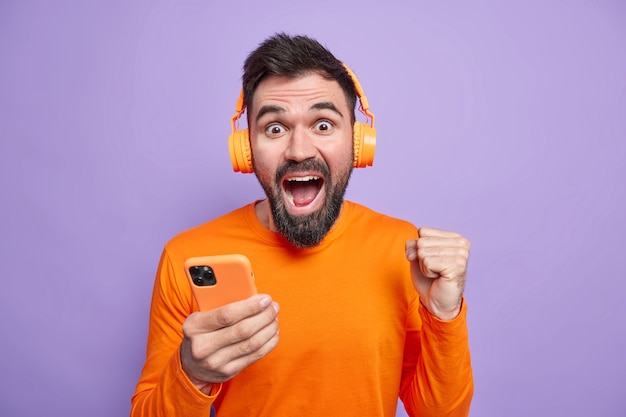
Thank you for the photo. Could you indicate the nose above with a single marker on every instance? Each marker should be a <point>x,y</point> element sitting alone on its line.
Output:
<point>300,146</point>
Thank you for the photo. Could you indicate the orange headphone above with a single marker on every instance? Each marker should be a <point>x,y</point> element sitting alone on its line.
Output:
<point>364,135</point>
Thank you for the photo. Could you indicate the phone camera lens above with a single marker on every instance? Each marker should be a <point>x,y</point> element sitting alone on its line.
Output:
<point>208,276</point>
<point>202,276</point>
<point>196,273</point>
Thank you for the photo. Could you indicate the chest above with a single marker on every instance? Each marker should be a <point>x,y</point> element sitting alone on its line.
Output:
<point>346,308</point>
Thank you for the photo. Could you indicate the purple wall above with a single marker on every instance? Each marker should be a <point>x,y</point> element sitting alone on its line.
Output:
<point>505,123</point>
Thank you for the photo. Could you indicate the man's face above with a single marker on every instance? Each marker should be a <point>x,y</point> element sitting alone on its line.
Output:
<point>302,149</point>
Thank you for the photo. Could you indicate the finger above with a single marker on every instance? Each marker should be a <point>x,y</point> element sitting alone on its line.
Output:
<point>230,360</point>
<point>247,328</point>
<point>252,346</point>
<point>443,251</point>
<point>207,353</point>
<point>432,232</point>
<point>208,343</point>
<point>410,249</point>
<point>227,315</point>
<point>453,267</point>
<point>452,241</point>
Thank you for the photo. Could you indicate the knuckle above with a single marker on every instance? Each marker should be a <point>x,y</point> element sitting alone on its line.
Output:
<point>193,326</point>
<point>252,345</point>
<point>273,315</point>
<point>228,371</point>
<point>427,263</point>
<point>259,354</point>
<point>214,363</point>
<point>242,331</point>
<point>424,231</point>
<point>187,327</point>
<point>260,343</point>
<point>224,317</point>
<point>196,352</point>
<point>263,349</point>
<point>426,260</point>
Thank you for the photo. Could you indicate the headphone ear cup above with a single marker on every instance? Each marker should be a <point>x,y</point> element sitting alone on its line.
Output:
<point>364,145</point>
<point>240,153</point>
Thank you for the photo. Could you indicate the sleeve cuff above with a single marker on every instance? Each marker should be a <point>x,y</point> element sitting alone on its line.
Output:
<point>432,321</point>
<point>194,392</point>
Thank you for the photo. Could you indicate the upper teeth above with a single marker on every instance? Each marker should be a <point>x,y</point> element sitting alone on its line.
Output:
<point>308,178</point>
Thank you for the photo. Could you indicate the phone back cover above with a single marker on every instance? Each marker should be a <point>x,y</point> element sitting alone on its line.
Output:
<point>234,276</point>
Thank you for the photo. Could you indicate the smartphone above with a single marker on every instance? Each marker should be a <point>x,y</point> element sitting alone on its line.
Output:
<point>220,279</point>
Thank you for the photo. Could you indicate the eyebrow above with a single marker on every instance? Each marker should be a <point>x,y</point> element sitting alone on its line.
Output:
<point>269,109</point>
<point>324,105</point>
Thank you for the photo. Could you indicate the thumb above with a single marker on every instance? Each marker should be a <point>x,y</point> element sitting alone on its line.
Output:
<point>410,250</point>
<point>418,265</point>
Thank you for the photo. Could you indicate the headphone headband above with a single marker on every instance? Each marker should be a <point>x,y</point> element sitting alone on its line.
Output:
<point>240,107</point>
<point>364,135</point>
<point>364,105</point>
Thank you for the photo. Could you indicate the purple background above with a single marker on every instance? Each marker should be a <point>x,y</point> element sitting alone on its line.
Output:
<point>505,121</point>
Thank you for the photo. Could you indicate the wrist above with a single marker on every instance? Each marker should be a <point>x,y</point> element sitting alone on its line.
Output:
<point>445,313</point>
<point>202,386</point>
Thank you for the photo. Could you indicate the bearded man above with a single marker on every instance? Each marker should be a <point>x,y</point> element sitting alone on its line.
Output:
<point>355,308</point>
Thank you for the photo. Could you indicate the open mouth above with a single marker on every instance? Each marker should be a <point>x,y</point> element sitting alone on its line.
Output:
<point>302,191</point>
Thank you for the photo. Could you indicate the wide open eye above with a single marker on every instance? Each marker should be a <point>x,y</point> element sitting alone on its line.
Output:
<point>275,129</point>
<point>323,126</point>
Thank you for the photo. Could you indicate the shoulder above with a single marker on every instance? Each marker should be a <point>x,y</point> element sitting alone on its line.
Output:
<point>211,231</point>
<point>364,224</point>
<point>358,213</point>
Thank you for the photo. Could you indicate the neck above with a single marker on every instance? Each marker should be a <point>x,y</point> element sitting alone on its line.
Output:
<point>264,214</point>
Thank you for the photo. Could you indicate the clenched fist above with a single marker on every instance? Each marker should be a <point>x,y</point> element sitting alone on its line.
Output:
<point>439,267</point>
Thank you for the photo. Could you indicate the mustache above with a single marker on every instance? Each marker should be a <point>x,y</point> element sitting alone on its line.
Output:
<point>306,165</point>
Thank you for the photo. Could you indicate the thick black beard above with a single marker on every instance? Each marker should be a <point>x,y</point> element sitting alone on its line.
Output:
<point>308,230</point>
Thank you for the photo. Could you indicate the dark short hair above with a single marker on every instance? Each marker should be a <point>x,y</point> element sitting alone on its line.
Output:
<point>294,56</point>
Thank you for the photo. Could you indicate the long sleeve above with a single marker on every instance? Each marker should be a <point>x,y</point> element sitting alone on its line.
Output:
<point>437,379</point>
<point>358,279</point>
<point>163,388</point>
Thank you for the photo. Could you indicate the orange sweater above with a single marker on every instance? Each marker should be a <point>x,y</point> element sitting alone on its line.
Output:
<point>353,336</point>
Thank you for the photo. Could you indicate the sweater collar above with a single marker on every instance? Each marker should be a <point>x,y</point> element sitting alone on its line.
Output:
<point>276,239</point>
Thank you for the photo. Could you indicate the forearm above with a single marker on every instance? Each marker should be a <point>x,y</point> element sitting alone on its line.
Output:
<point>164,389</point>
<point>442,383</point>
<point>173,394</point>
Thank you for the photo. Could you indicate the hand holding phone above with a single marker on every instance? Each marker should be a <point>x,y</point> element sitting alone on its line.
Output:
<point>215,282</point>
<point>220,279</point>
